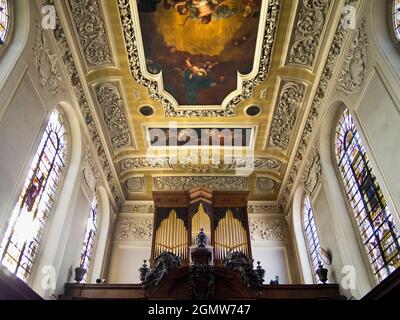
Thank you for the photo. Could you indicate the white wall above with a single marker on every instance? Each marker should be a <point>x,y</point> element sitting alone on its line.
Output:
<point>25,106</point>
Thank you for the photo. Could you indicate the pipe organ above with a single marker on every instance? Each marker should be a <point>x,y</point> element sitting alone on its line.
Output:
<point>179,216</point>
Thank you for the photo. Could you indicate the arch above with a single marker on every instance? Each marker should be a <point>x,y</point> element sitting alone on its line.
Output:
<point>17,41</point>
<point>99,261</point>
<point>29,220</point>
<point>310,234</point>
<point>297,216</point>
<point>55,239</point>
<point>348,245</point>
<point>370,212</point>
<point>382,32</point>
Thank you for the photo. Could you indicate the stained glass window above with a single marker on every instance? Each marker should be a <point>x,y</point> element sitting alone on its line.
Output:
<point>4,20</point>
<point>396,18</point>
<point>90,238</point>
<point>378,231</point>
<point>311,236</point>
<point>21,241</point>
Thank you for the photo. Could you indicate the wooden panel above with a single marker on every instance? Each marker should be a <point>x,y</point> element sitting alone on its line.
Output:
<point>171,199</point>
<point>230,199</point>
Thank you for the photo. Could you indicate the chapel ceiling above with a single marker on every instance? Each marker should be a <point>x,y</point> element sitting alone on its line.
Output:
<point>239,66</point>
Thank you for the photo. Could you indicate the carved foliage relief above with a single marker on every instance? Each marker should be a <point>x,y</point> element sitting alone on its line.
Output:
<point>310,24</point>
<point>46,64</point>
<point>130,228</point>
<point>312,171</point>
<point>113,111</point>
<point>355,64</point>
<point>89,23</point>
<point>290,100</point>
<point>185,183</point>
<point>267,229</point>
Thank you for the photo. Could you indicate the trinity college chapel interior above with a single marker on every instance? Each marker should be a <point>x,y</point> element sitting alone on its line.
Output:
<point>199,149</point>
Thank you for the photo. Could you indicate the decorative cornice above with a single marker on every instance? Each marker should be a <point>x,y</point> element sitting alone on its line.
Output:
<point>186,183</point>
<point>310,25</point>
<point>261,209</point>
<point>355,63</point>
<point>326,78</point>
<point>312,171</point>
<point>154,88</point>
<point>262,229</point>
<point>290,100</point>
<point>72,72</point>
<point>143,163</point>
<point>112,108</point>
<point>91,30</point>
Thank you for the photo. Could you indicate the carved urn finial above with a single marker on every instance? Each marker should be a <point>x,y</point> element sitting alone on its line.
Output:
<point>201,239</point>
<point>322,273</point>
<point>144,270</point>
<point>260,272</point>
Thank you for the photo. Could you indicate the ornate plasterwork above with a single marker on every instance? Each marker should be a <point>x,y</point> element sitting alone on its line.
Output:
<point>134,229</point>
<point>309,27</point>
<point>155,88</point>
<point>312,171</point>
<point>265,184</point>
<point>263,209</point>
<point>89,171</point>
<point>143,163</point>
<point>185,183</point>
<point>46,65</point>
<point>355,63</point>
<point>326,78</point>
<point>135,184</point>
<point>290,100</point>
<point>91,30</point>
<point>265,228</point>
<point>112,107</point>
<point>72,72</point>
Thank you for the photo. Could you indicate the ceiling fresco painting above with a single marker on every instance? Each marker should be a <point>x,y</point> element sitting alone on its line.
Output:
<point>199,45</point>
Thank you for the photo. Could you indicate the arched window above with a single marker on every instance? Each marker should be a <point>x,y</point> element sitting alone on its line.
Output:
<point>310,231</point>
<point>373,218</point>
<point>90,239</point>
<point>5,19</point>
<point>21,241</point>
<point>396,18</point>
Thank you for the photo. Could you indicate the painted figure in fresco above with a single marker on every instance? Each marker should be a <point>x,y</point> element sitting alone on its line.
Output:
<point>251,7</point>
<point>199,71</point>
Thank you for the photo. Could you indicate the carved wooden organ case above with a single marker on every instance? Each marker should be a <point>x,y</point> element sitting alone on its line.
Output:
<point>179,216</point>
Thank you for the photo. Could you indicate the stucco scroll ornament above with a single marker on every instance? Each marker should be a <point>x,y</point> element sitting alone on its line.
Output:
<point>267,229</point>
<point>135,229</point>
<point>113,110</point>
<point>312,172</point>
<point>184,183</point>
<point>90,172</point>
<point>72,72</point>
<point>355,64</point>
<point>316,107</point>
<point>311,21</point>
<point>46,65</point>
<point>91,30</point>
<point>292,95</point>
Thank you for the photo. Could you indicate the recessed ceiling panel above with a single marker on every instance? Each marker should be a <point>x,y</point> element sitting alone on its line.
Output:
<point>199,45</point>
